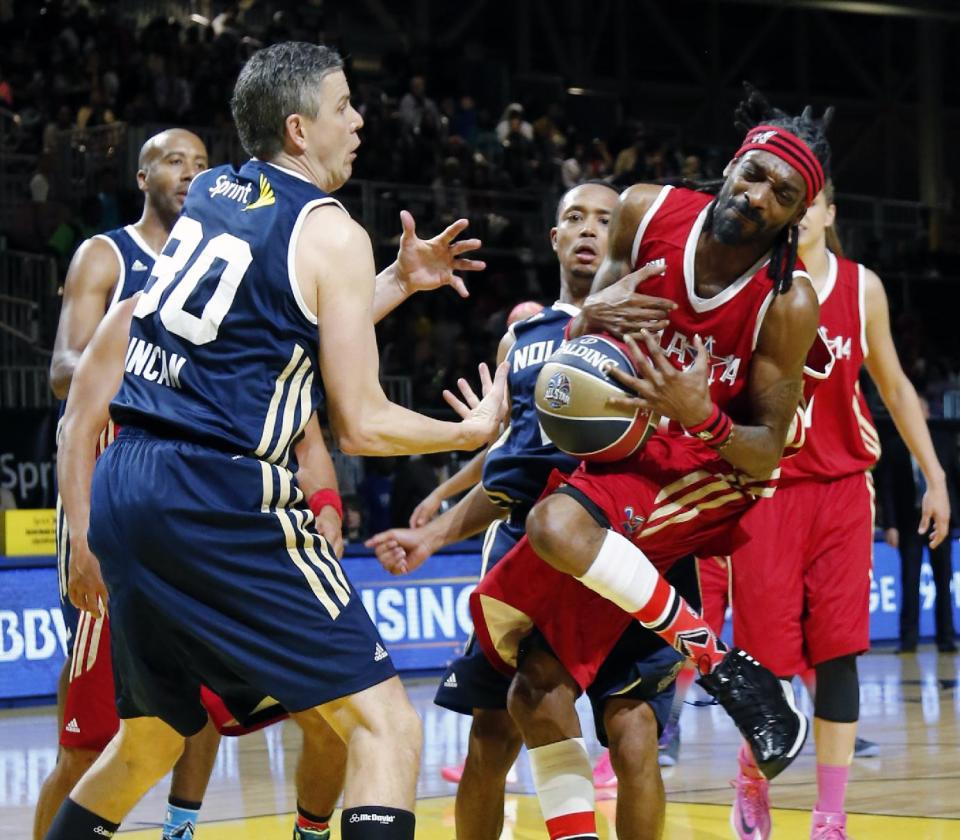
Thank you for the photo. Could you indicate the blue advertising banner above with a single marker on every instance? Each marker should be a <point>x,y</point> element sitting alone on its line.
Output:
<point>424,617</point>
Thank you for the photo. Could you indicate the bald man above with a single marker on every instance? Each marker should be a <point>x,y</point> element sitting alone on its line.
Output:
<point>106,269</point>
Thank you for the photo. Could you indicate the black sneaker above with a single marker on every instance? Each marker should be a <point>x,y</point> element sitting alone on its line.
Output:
<point>762,707</point>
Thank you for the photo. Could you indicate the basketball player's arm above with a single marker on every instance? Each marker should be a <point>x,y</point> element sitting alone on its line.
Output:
<point>401,550</point>
<point>424,264</point>
<point>614,306</point>
<point>470,473</point>
<point>334,267</point>
<point>316,472</point>
<point>93,273</point>
<point>775,383</point>
<point>900,398</point>
<point>95,381</point>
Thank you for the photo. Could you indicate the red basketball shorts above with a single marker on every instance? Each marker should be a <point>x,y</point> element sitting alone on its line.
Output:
<point>714,576</point>
<point>801,584</point>
<point>674,497</point>
<point>90,712</point>
<point>90,717</point>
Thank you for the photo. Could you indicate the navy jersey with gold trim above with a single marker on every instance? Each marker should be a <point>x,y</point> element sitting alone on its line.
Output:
<point>223,349</point>
<point>520,461</point>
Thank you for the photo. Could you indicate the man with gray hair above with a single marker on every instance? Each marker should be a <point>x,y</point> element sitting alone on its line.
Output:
<point>260,299</point>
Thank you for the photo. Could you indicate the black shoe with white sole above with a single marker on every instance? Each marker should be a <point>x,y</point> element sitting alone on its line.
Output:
<point>762,707</point>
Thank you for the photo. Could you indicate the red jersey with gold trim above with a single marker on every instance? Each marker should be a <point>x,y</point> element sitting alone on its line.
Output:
<point>728,322</point>
<point>840,435</point>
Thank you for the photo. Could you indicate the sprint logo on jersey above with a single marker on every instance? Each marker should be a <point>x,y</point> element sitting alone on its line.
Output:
<point>266,197</point>
<point>228,188</point>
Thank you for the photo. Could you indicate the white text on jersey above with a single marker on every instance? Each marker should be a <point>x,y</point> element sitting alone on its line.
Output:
<point>230,189</point>
<point>154,363</point>
<point>533,354</point>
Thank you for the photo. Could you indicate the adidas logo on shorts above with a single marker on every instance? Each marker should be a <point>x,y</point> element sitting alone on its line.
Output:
<point>379,654</point>
<point>73,726</point>
<point>450,682</point>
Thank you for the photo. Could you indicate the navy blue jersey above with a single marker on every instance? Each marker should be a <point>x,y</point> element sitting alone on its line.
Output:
<point>223,349</point>
<point>518,464</point>
<point>136,260</point>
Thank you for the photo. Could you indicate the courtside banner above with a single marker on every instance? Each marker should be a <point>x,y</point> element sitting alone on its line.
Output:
<point>33,637</point>
<point>423,618</point>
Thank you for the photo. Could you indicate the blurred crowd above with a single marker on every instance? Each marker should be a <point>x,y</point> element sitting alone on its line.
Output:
<point>67,72</point>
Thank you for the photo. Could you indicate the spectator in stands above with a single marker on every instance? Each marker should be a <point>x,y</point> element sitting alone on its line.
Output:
<point>376,494</point>
<point>630,166</point>
<point>512,120</point>
<point>573,167</point>
<point>52,131</point>
<point>464,122</point>
<point>353,529</point>
<point>418,112</point>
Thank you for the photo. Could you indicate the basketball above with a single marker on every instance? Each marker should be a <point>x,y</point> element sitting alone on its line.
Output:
<point>571,397</point>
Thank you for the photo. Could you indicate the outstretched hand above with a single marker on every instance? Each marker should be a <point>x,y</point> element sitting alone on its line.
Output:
<point>425,264</point>
<point>401,550</point>
<point>482,417</point>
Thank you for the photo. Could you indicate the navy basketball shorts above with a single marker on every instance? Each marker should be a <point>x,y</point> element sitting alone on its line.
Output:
<point>216,578</point>
<point>470,681</point>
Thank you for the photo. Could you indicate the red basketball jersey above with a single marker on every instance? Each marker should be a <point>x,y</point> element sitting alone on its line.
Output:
<point>840,438</point>
<point>729,322</point>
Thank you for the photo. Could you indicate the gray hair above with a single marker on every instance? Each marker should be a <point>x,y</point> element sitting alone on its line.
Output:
<point>276,82</point>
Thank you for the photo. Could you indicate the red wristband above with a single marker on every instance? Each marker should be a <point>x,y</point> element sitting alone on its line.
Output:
<point>326,498</point>
<point>715,431</point>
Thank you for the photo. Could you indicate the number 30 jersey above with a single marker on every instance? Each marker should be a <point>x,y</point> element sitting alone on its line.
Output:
<point>223,349</point>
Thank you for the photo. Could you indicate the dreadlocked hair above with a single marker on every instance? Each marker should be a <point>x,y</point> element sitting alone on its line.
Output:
<point>756,110</point>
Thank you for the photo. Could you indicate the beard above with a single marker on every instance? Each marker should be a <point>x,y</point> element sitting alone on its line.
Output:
<point>728,227</point>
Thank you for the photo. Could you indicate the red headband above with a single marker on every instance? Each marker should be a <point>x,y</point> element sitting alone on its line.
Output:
<point>790,148</point>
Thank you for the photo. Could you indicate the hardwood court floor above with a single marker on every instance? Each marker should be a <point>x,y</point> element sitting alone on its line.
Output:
<point>909,705</point>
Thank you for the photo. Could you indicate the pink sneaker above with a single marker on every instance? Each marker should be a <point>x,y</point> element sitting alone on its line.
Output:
<point>452,774</point>
<point>828,826</point>
<point>603,775</point>
<point>750,815</point>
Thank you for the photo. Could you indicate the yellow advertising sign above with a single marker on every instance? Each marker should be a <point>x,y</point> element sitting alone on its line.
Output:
<point>29,532</point>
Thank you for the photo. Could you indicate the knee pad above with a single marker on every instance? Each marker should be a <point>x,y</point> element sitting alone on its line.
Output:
<point>838,690</point>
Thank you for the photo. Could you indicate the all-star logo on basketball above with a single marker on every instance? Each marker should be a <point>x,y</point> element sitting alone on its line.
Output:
<point>557,393</point>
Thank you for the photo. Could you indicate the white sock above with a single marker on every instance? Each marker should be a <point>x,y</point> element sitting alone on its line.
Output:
<point>621,573</point>
<point>564,780</point>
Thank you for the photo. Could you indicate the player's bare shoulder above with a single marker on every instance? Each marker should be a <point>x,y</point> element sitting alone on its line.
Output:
<point>792,317</point>
<point>95,266</point>
<point>329,247</point>
<point>634,203</point>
